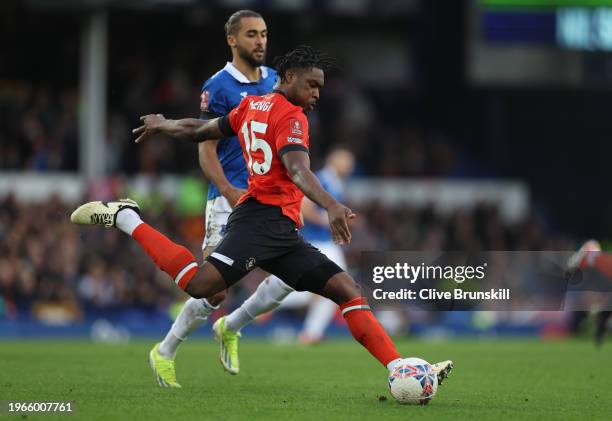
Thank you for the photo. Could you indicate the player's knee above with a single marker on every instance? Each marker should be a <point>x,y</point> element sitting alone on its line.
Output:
<point>196,288</point>
<point>199,288</point>
<point>207,284</point>
<point>202,290</point>
<point>341,288</point>
<point>350,289</point>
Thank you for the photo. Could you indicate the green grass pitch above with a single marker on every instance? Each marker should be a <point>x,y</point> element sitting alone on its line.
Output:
<point>504,379</point>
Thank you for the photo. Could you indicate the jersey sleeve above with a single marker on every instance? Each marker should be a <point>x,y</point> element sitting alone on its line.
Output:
<point>213,100</point>
<point>292,134</point>
<point>235,115</point>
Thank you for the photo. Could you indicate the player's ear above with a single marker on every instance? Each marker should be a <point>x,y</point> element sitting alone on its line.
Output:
<point>290,76</point>
<point>231,40</point>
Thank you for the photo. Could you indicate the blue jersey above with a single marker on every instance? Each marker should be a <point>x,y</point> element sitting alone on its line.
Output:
<point>220,94</point>
<point>334,186</point>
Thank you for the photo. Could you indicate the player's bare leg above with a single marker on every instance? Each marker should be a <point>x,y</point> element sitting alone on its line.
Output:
<point>341,288</point>
<point>364,327</point>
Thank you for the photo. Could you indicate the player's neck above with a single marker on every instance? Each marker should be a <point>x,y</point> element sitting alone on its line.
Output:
<point>277,90</point>
<point>252,73</point>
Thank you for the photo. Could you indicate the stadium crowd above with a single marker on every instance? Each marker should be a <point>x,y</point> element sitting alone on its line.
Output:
<point>44,259</point>
<point>39,130</point>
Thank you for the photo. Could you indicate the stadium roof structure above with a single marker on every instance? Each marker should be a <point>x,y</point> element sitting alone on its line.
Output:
<point>352,7</point>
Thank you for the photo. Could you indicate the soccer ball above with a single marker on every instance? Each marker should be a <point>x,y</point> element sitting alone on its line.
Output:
<point>413,381</point>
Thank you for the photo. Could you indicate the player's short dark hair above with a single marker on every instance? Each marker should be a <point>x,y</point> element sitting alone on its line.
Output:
<point>303,57</point>
<point>233,23</point>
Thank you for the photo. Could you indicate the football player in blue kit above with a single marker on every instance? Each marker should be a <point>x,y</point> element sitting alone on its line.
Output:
<point>338,167</point>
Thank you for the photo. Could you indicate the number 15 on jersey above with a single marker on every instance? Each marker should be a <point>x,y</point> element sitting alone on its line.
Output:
<point>250,130</point>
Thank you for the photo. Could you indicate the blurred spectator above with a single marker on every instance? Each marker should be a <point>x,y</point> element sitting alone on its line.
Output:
<point>47,261</point>
<point>44,259</point>
<point>39,131</point>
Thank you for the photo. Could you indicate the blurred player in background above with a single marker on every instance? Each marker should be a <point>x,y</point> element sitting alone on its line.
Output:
<point>263,229</point>
<point>339,165</point>
<point>591,256</point>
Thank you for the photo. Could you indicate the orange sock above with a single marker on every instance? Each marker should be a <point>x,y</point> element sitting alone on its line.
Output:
<point>603,263</point>
<point>367,331</point>
<point>172,258</point>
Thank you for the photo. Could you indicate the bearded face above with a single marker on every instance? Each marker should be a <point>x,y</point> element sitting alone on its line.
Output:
<point>250,41</point>
<point>254,56</point>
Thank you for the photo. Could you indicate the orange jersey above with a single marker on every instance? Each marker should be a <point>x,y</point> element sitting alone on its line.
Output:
<point>269,126</point>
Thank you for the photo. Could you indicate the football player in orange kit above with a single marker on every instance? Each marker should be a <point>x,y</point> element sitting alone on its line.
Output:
<point>262,231</point>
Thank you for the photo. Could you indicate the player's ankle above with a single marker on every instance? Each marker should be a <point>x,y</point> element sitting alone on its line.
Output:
<point>168,347</point>
<point>391,365</point>
<point>127,220</point>
<point>233,325</point>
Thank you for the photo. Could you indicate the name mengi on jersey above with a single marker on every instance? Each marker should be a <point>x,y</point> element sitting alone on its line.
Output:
<point>261,105</point>
<point>266,106</point>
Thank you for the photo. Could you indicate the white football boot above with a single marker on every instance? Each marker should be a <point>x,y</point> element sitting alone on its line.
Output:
<point>102,213</point>
<point>443,369</point>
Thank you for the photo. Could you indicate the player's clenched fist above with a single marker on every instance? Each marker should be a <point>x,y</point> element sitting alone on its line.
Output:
<point>151,125</point>
<point>339,215</point>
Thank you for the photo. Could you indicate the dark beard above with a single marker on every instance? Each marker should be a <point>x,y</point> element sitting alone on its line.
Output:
<point>252,61</point>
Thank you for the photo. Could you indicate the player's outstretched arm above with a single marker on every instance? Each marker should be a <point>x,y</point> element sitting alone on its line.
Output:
<point>297,164</point>
<point>191,129</point>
